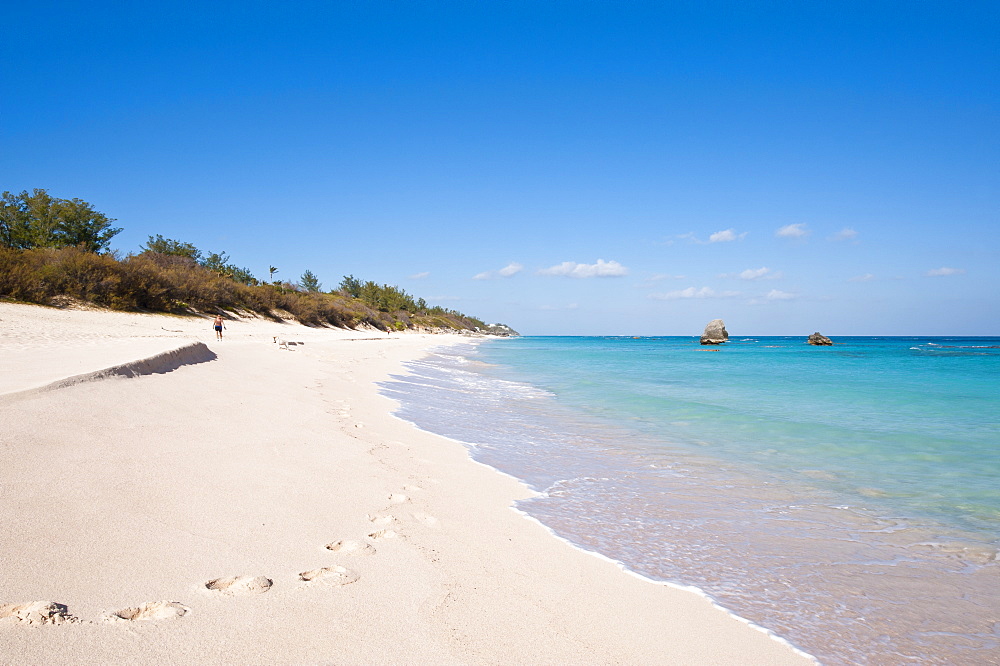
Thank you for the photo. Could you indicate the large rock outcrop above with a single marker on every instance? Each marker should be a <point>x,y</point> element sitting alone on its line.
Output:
<point>715,333</point>
<point>819,340</point>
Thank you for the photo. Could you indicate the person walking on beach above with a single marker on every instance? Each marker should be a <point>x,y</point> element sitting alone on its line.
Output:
<point>218,327</point>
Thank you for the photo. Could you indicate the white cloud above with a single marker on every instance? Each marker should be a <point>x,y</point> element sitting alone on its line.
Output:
<point>600,269</point>
<point>513,268</point>
<point>772,296</point>
<point>694,292</point>
<point>419,276</point>
<point>758,273</point>
<point>726,236</point>
<point>867,277</point>
<point>944,271</point>
<point>845,234</point>
<point>792,231</point>
<point>763,272</point>
<point>663,276</point>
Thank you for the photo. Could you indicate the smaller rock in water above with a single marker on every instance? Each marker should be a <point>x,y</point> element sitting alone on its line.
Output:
<point>819,340</point>
<point>715,333</point>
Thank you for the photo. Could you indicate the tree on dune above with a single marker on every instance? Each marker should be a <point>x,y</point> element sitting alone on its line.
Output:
<point>217,262</point>
<point>310,282</point>
<point>351,286</point>
<point>171,247</point>
<point>39,220</point>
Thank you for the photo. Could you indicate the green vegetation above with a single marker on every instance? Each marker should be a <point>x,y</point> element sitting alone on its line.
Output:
<point>217,262</point>
<point>37,220</point>
<point>51,248</point>
<point>379,296</point>
<point>388,298</point>
<point>162,245</point>
<point>310,282</point>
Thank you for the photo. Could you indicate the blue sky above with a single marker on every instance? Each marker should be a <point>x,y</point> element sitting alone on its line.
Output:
<point>564,167</point>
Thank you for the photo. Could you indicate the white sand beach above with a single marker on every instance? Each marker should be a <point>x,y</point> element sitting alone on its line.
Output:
<point>230,502</point>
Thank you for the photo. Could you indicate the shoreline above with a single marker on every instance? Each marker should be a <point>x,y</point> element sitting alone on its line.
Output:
<point>778,549</point>
<point>622,566</point>
<point>127,491</point>
<point>691,589</point>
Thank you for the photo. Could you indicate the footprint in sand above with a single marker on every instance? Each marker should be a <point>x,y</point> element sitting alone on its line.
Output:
<point>154,610</point>
<point>429,521</point>
<point>329,576</point>
<point>381,520</point>
<point>398,498</point>
<point>378,535</point>
<point>411,489</point>
<point>240,585</point>
<point>351,547</point>
<point>37,612</point>
<point>343,408</point>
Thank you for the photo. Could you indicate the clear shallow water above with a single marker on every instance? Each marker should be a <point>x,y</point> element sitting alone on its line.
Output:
<point>847,498</point>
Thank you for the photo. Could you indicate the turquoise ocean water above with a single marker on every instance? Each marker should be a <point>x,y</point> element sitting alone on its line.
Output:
<point>846,498</point>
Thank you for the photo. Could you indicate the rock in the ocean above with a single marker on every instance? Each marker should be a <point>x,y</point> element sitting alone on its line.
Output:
<point>715,333</point>
<point>819,339</point>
